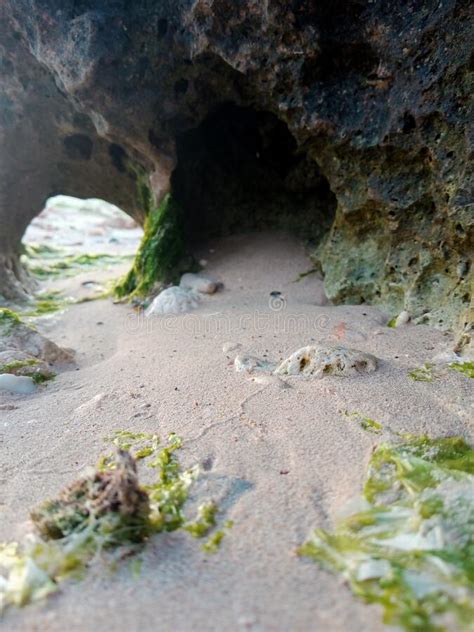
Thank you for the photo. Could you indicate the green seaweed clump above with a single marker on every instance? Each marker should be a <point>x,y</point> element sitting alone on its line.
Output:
<point>109,503</point>
<point>213,543</point>
<point>423,374</point>
<point>53,301</point>
<point>48,303</point>
<point>410,548</point>
<point>104,510</point>
<point>160,251</point>
<point>17,365</point>
<point>42,251</point>
<point>101,510</point>
<point>205,521</point>
<point>367,424</point>
<point>467,368</point>
<point>73,264</point>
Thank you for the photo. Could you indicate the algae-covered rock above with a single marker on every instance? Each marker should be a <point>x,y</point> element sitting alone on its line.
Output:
<point>110,501</point>
<point>105,515</point>
<point>18,337</point>
<point>27,358</point>
<point>160,251</point>
<point>321,361</point>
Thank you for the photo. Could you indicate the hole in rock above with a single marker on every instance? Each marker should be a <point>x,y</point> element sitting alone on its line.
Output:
<point>77,245</point>
<point>241,170</point>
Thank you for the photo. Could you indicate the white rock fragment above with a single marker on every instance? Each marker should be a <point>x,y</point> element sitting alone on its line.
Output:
<point>320,361</point>
<point>17,383</point>
<point>402,319</point>
<point>245,363</point>
<point>174,300</point>
<point>199,283</point>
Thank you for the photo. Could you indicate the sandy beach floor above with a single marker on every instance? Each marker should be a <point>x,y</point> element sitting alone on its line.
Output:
<point>279,458</point>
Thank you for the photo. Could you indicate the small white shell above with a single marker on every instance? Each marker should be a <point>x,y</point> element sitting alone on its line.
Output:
<point>174,300</point>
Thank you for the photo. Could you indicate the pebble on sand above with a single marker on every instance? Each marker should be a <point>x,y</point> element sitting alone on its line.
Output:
<point>245,363</point>
<point>320,361</point>
<point>199,283</point>
<point>17,383</point>
<point>174,300</point>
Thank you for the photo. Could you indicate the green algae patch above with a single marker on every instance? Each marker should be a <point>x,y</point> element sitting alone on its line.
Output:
<point>17,365</point>
<point>215,540</point>
<point>40,377</point>
<point>74,264</point>
<point>52,301</point>
<point>160,251</point>
<point>423,374</point>
<point>48,302</point>
<point>366,423</point>
<point>42,251</point>
<point>205,521</point>
<point>106,512</point>
<point>8,321</point>
<point>410,547</point>
<point>466,368</point>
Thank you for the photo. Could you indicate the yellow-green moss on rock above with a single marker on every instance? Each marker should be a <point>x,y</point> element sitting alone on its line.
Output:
<point>161,249</point>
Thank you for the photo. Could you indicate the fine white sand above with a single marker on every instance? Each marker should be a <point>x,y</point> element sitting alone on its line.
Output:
<point>279,458</point>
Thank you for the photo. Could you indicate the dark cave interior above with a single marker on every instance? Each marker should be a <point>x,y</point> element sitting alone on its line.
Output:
<point>241,170</point>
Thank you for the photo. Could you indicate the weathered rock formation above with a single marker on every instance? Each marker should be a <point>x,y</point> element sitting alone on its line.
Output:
<point>345,121</point>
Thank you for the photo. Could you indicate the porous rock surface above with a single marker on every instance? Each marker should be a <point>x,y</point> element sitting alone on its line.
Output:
<point>320,361</point>
<point>345,121</point>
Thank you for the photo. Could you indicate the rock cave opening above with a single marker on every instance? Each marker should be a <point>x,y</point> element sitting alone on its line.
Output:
<point>241,170</point>
<point>72,237</point>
